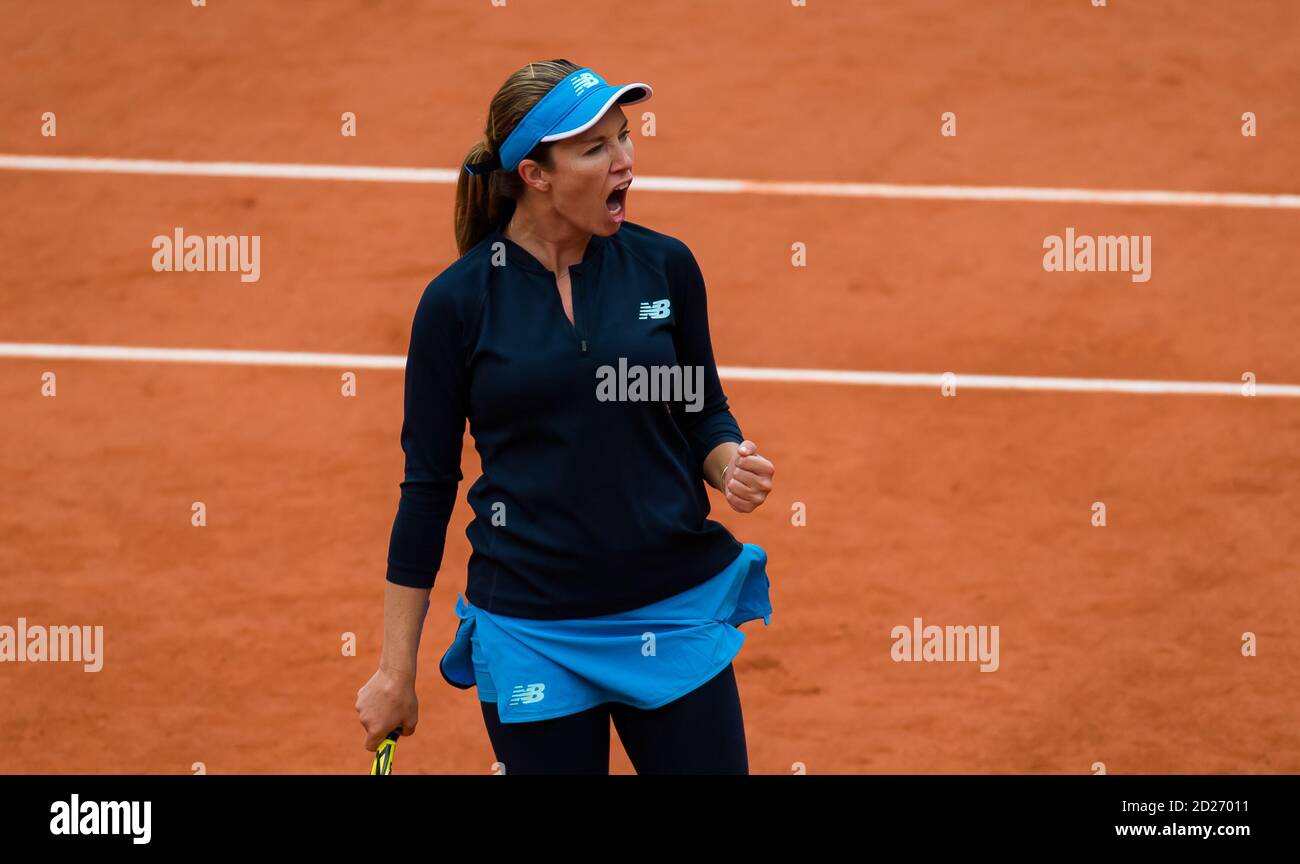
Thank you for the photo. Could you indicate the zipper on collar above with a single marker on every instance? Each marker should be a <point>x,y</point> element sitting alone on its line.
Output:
<point>574,278</point>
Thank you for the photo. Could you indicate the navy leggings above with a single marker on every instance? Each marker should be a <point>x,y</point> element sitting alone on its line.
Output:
<point>701,732</point>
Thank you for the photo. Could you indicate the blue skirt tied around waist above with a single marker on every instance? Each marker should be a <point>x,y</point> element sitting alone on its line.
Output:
<point>646,657</point>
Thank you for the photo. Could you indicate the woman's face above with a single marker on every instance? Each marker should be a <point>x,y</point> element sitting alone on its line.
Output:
<point>588,185</point>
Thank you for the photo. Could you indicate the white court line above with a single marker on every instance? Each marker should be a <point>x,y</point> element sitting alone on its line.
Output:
<point>200,355</point>
<point>734,373</point>
<point>922,191</point>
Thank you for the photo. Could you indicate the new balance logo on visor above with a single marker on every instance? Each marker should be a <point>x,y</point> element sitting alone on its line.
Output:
<point>527,694</point>
<point>585,81</point>
<point>657,309</point>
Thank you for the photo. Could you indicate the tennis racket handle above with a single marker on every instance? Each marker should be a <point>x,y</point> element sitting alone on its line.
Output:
<point>383,763</point>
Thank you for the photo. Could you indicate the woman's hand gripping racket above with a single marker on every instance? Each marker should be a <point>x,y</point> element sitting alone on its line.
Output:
<point>383,765</point>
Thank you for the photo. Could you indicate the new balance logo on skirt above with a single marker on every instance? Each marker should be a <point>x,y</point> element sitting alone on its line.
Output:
<point>526,694</point>
<point>657,309</point>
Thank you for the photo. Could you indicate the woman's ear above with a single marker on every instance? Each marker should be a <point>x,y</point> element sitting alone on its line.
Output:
<point>534,175</point>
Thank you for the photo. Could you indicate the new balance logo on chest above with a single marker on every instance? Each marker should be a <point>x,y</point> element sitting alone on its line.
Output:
<point>657,309</point>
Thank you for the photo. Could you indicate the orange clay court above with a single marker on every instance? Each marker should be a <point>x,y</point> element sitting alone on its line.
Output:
<point>1119,644</point>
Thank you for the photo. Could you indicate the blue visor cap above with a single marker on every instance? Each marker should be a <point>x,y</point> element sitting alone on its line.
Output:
<point>569,108</point>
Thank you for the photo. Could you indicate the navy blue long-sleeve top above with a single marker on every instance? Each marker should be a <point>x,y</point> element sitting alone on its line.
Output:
<point>586,506</point>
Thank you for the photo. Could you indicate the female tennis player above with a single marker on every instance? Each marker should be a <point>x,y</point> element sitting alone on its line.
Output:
<point>577,345</point>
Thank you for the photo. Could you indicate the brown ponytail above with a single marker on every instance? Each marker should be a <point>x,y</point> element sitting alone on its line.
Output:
<point>487,201</point>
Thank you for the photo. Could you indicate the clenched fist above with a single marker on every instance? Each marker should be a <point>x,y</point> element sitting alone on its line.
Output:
<point>747,478</point>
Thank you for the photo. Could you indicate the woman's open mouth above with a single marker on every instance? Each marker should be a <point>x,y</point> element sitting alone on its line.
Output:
<point>617,201</point>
